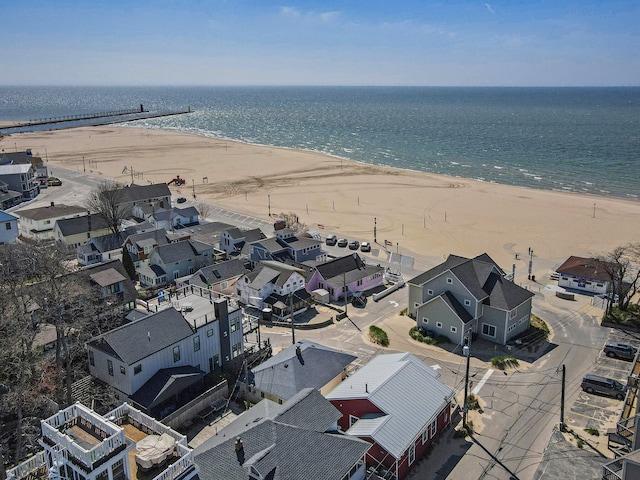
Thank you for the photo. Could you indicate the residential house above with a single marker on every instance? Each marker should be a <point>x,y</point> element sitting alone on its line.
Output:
<point>396,403</point>
<point>76,231</point>
<point>8,228</point>
<point>114,283</point>
<point>463,296</point>
<point>204,334</point>
<point>276,285</point>
<point>348,274</point>
<point>39,223</point>
<point>167,218</point>
<point>174,260</point>
<point>585,274</point>
<point>21,178</point>
<point>141,245</point>
<point>303,365</point>
<point>8,198</point>
<point>235,241</point>
<point>220,277</point>
<point>297,440</point>
<point>16,158</point>
<point>286,245</point>
<point>101,249</point>
<point>153,194</point>
<point>209,232</point>
<point>79,443</point>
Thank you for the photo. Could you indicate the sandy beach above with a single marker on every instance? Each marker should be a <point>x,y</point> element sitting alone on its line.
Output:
<point>422,215</point>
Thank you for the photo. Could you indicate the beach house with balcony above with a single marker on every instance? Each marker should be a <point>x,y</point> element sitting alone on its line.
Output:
<point>124,444</point>
<point>345,275</point>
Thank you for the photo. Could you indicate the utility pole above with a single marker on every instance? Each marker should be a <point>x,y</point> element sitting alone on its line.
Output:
<point>293,325</point>
<point>530,262</point>
<point>375,228</point>
<point>564,371</point>
<point>84,169</point>
<point>344,292</point>
<point>269,204</point>
<point>465,408</point>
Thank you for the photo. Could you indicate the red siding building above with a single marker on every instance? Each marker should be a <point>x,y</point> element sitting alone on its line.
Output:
<point>396,403</point>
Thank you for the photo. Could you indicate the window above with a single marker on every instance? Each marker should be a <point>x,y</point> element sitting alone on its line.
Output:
<point>429,292</point>
<point>237,349</point>
<point>513,313</point>
<point>433,428</point>
<point>210,332</point>
<point>137,369</point>
<point>359,283</point>
<point>454,329</point>
<point>425,320</point>
<point>224,285</point>
<point>110,367</point>
<point>352,420</point>
<point>439,324</point>
<point>412,454</point>
<point>416,305</point>
<point>425,436</point>
<point>123,370</point>
<point>8,225</point>
<point>467,303</point>
<point>512,327</point>
<point>196,343</point>
<point>176,353</point>
<point>488,330</point>
<point>92,360</point>
<point>449,280</point>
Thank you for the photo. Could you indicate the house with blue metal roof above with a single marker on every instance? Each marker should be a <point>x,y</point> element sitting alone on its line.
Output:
<point>8,228</point>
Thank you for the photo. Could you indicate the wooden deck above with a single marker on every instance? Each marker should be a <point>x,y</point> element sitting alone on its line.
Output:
<point>135,435</point>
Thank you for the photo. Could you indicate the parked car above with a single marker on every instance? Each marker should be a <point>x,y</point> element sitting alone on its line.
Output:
<point>181,200</point>
<point>54,182</point>
<point>365,247</point>
<point>342,242</point>
<point>604,386</point>
<point>620,350</point>
<point>354,245</point>
<point>331,239</point>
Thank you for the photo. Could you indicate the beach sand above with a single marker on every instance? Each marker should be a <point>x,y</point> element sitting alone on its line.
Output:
<point>422,215</point>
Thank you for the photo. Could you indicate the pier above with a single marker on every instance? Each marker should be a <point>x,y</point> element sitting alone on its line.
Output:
<point>90,119</point>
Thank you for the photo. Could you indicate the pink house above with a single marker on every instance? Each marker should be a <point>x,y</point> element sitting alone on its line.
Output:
<point>397,404</point>
<point>348,273</point>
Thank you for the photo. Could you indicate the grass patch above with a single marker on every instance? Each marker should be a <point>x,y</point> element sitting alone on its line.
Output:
<point>472,402</point>
<point>504,361</point>
<point>404,311</point>
<point>592,431</point>
<point>537,324</point>
<point>426,336</point>
<point>629,317</point>
<point>580,443</point>
<point>378,335</point>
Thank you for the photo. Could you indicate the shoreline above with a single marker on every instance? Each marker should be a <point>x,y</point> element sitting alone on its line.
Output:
<point>421,214</point>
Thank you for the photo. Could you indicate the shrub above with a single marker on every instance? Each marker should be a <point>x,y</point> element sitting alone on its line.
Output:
<point>580,443</point>
<point>404,311</point>
<point>592,431</point>
<point>426,336</point>
<point>539,325</point>
<point>472,402</point>
<point>504,361</point>
<point>378,335</point>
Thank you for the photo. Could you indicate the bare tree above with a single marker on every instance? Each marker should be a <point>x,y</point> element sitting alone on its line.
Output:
<point>106,200</point>
<point>204,209</point>
<point>622,266</point>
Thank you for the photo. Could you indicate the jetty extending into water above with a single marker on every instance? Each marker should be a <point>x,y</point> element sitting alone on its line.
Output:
<point>88,119</point>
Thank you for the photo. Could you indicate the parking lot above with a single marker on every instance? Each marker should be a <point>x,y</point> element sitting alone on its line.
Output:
<point>598,411</point>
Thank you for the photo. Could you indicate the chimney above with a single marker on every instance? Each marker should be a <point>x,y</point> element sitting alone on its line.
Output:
<point>298,351</point>
<point>239,448</point>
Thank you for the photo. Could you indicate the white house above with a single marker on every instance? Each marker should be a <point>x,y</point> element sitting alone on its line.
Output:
<point>38,223</point>
<point>585,274</point>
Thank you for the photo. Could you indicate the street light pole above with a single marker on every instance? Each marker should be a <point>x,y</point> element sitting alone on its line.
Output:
<point>293,327</point>
<point>465,408</point>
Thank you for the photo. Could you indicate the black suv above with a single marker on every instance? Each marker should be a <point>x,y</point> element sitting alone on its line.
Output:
<point>620,350</point>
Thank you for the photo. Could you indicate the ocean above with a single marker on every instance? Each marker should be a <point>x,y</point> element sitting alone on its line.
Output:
<point>581,140</point>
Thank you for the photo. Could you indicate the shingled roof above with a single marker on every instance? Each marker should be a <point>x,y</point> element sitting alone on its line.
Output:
<point>282,442</point>
<point>585,267</point>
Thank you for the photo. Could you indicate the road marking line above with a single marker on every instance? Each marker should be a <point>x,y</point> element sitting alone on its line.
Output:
<point>482,382</point>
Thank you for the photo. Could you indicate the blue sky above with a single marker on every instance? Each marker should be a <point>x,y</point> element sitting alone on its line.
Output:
<point>357,42</point>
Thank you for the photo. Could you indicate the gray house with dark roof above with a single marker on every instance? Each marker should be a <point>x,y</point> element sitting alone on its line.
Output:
<point>101,249</point>
<point>175,260</point>
<point>235,241</point>
<point>349,273</point>
<point>286,245</point>
<point>303,365</point>
<point>155,193</point>
<point>462,296</point>
<point>294,441</point>
<point>129,356</point>
<point>219,277</point>
<point>77,230</point>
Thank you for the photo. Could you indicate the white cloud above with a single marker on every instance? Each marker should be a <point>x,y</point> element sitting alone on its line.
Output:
<point>488,5</point>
